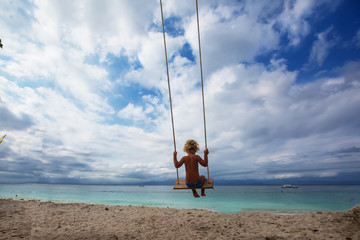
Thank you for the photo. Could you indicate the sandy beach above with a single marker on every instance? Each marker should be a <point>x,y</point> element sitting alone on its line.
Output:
<point>47,220</point>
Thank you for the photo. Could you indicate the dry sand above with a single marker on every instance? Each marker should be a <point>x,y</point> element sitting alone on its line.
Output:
<point>47,220</point>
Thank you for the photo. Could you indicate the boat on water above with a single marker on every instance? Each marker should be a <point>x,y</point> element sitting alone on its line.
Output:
<point>288,186</point>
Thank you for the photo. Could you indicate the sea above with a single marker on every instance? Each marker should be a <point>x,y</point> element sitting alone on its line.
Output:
<point>223,199</point>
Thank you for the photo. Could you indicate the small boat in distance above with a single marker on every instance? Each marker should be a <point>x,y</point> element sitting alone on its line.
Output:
<point>288,186</point>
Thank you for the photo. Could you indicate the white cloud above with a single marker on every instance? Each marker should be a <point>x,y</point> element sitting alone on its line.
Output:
<point>294,20</point>
<point>281,158</point>
<point>287,175</point>
<point>229,38</point>
<point>321,47</point>
<point>132,112</point>
<point>328,174</point>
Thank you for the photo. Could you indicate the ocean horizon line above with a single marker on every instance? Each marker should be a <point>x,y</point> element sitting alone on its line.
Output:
<point>163,184</point>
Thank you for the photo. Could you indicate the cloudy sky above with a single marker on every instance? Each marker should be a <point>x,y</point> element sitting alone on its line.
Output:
<point>84,98</point>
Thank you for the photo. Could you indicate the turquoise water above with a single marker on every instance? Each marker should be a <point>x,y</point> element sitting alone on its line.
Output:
<point>224,199</point>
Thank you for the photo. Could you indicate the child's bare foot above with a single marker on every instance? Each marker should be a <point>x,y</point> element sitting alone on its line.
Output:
<point>203,192</point>
<point>195,193</point>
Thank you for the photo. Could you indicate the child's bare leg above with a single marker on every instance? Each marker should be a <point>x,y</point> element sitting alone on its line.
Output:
<point>203,192</point>
<point>195,193</point>
<point>203,189</point>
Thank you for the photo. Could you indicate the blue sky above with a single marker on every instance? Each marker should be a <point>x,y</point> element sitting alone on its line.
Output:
<point>84,99</point>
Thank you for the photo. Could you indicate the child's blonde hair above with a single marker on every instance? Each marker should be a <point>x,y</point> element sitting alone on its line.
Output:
<point>191,146</point>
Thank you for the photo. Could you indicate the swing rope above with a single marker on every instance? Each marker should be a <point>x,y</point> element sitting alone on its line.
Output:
<point>168,78</point>
<point>202,81</point>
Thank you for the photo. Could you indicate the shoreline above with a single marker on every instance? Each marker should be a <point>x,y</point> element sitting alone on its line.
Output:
<point>245,210</point>
<point>237,199</point>
<point>48,220</point>
<point>267,211</point>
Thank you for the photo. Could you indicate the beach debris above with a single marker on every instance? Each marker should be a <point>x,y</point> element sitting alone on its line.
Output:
<point>107,209</point>
<point>271,238</point>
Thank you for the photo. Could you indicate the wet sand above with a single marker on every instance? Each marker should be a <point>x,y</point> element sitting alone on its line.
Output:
<point>46,220</point>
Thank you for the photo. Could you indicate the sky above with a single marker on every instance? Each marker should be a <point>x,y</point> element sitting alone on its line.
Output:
<point>84,95</point>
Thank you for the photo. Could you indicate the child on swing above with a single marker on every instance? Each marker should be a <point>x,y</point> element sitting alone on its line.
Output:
<point>192,179</point>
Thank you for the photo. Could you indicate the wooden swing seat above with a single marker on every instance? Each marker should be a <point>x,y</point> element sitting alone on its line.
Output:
<point>209,183</point>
